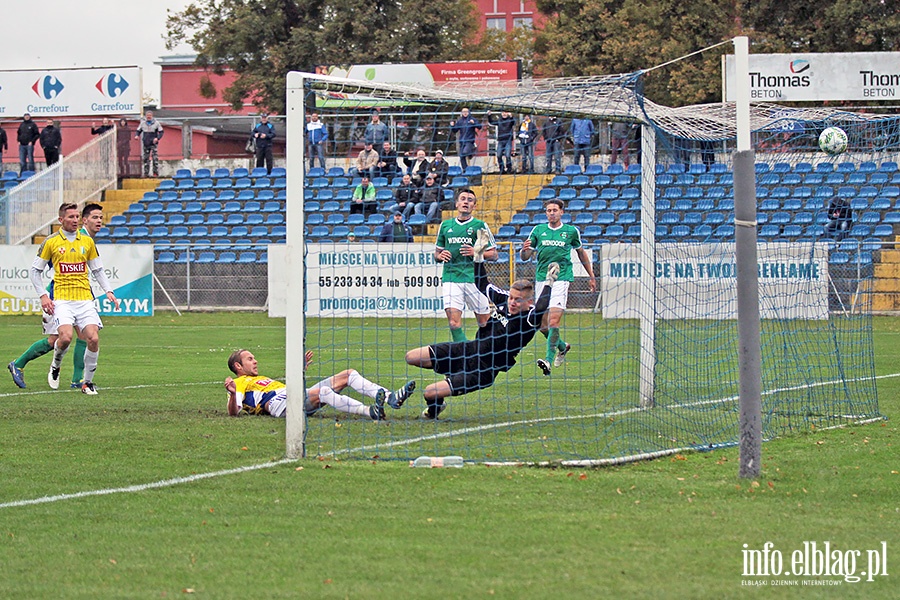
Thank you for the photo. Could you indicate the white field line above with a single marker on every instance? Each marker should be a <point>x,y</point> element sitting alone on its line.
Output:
<point>465,431</point>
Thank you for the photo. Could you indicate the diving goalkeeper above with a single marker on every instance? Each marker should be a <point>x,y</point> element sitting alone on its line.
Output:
<point>473,365</point>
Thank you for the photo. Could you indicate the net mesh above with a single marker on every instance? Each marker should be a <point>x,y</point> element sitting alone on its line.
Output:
<point>653,366</point>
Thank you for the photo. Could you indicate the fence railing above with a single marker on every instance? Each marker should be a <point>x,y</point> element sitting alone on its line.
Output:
<point>79,177</point>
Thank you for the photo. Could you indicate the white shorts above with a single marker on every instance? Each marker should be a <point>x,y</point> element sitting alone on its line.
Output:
<point>559,293</point>
<point>49,324</point>
<point>277,406</point>
<point>462,295</point>
<point>79,313</point>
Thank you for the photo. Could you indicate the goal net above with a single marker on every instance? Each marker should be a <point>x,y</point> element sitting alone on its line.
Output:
<point>653,366</point>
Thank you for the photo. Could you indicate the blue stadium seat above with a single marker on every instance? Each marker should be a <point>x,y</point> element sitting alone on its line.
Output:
<point>330,206</point>
<point>594,169</point>
<point>702,232</point>
<point>803,218</point>
<point>154,207</point>
<point>538,219</point>
<point>792,231</point>
<point>887,166</point>
<point>233,206</point>
<point>534,205</point>
<point>195,219</point>
<point>813,179</point>
<point>713,218</point>
<point>246,257</point>
<point>615,231</point>
<point>182,174</point>
<point>834,179</point>
<point>165,257</point>
<point>572,170</point>
<point>580,181</point>
<point>523,219</point>
<point>243,183</point>
<point>892,217</point>
<point>593,231</point>
<point>319,231</point>
<point>780,218</point>
<point>199,231</point>
<point>859,204</point>
<point>597,204</point>
<point>503,232</point>
<point>575,205</point>
<point>362,231</point>
<point>324,194</point>
<point>870,218</point>
<point>226,258</point>
<point>621,180</point>
<point>205,184</point>
<point>860,231</point>
<point>226,195</point>
<point>839,258</point>
<point>314,172</point>
<point>262,183</point>
<point>618,205</point>
<point>155,219</point>
<point>615,169</point>
<point>559,181</point>
<point>609,193</point>
<point>769,205</point>
<point>604,218</point>
<point>670,218</point>
<point>375,219</point>
<point>600,181</point>
<point>692,218</point>
<point>883,230</point>
<point>567,194</point>
<point>780,192</point>
<point>589,193</point>
<point>683,204</point>
<point>418,220</point>
<point>166,184</point>
<point>724,232</point>
<point>546,194</point>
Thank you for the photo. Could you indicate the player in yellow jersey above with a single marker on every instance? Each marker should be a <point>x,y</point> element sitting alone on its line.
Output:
<point>72,254</point>
<point>91,223</point>
<point>256,394</point>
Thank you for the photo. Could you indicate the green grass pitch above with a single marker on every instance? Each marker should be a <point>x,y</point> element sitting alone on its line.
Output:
<point>332,527</point>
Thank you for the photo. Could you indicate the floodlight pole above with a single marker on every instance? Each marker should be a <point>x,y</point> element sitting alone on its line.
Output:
<point>294,326</point>
<point>745,239</point>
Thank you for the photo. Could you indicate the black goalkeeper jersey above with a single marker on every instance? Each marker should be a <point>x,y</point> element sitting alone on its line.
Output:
<point>504,335</point>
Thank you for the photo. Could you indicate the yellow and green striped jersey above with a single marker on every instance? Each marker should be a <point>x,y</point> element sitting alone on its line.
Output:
<point>70,268</point>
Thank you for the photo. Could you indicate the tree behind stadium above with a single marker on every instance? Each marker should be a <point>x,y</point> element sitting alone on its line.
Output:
<point>591,37</point>
<point>261,40</point>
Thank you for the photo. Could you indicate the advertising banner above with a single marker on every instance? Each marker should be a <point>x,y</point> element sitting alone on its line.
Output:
<point>362,280</point>
<point>699,281</point>
<point>819,77</point>
<point>129,268</point>
<point>71,92</point>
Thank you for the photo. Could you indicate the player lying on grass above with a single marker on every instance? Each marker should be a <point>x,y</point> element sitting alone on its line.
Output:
<point>473,365</point>
<point>256,394</point>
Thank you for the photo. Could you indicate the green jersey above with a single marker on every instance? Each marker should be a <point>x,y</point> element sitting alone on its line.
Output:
<point>554,246</point>
<point>452,236</point>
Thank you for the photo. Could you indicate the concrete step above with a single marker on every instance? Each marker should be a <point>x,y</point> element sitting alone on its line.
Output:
<point>145,184</point>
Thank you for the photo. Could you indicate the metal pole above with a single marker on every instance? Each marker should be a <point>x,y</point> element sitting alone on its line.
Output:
<point>745,238</point>
<point>648,267</point>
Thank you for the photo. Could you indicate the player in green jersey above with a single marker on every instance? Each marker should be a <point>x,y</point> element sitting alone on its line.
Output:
<point>91,223</point>
<point>553,242</point>
<point>454,248</point>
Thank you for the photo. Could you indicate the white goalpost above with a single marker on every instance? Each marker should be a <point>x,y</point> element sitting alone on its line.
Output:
<point>699,336</point>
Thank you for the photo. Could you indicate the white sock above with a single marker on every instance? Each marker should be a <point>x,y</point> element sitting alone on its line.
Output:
<point>90,365</point>
<point>58,355</point>
<point>342,403</point>
<point>363,385</point>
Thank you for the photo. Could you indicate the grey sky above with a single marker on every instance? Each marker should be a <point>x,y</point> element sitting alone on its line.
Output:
<point>56,34</point>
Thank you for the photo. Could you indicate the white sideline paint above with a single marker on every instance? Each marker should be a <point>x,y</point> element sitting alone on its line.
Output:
<point>200,476</point>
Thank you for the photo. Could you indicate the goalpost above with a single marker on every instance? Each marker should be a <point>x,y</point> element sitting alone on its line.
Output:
<point>654,368</point>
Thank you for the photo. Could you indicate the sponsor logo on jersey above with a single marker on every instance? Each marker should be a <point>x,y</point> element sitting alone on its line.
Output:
<point>265,381</point>
<point>69,268</point>
<point>504,320</point>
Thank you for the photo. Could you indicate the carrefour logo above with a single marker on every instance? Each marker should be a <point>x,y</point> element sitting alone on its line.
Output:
<point>112,85</point>
<point>48,87</point>
<point>799,65</point>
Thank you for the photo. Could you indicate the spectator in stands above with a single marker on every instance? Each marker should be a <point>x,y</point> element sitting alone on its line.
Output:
<point>582,132</point>
<point>149,131</point>
<point>376,131</point>
<point>432,195</point>
<point>466,128</point>
<point>27,134</point>
<point>396,230</point>
<point>618,142</point>
<point>707,153</point>
<point>554,132</point>
<point>263,134</point>
<point>527,134</point>
<point>417,168</point>
<point>840,216</point>
<point>439,168</point>
<point>505,123</point>
<point>123,146</point>
<point>51,140</point>
<point>104,127</point>
<point>364,198</point>
<point>4,146</point>
<point>387,161</point>
<point>367,162</point>
<point>316,136</point>
<point>408,197</point>
<point>351,238</point>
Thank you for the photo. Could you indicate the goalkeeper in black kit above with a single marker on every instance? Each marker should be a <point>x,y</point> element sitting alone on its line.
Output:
<point>473,365</point>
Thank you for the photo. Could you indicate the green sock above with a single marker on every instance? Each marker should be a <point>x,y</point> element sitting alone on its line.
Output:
<point>78,360</point>
<point>39,348</point>
<point>458,334</point>
<point>561,345</point>
<point>552,341</point>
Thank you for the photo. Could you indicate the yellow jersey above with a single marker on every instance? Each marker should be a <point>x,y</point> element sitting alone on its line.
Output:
<point>70,264</point>
<point>252,393</point>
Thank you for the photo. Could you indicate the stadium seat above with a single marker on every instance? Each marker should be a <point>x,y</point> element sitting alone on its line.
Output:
<point>615,231</point>
<point>683,204</point>
<point>600,181</point>
<point>546,194</point>
<point>524,219</point>
<point>597,204</point>
<point>324,194</point>
<point>246,257</point>
<point>274,219</point>
<point>813,179</point>
<point>621,180</point>
<point>575,205</point>
<point>226,258</point>
<point>618,205</point>
<point>792,231</point>
<point>859,204</point>
<point>417,220</point>
<point>593,231</point>
<point>839,258</point>
<point>713,218</point>
<point>604,218</point>
<point>243,183</point>
<point>154,207</point>
<point>233,206</point>
<point>572,170</point>
<point>166,184</point>
<point>724,232</point>
<point>566,194</point>
<point>594,169</point>
<point>504,231</point>
<point>587,194</point>
<point>870,218</point>
<point>319,231</point>
<point>559,181</point>
<point>892,217</point>
<point>165,257</point>
<point>615,169</point>
<point>262,183</point>
<point>883,230</point>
